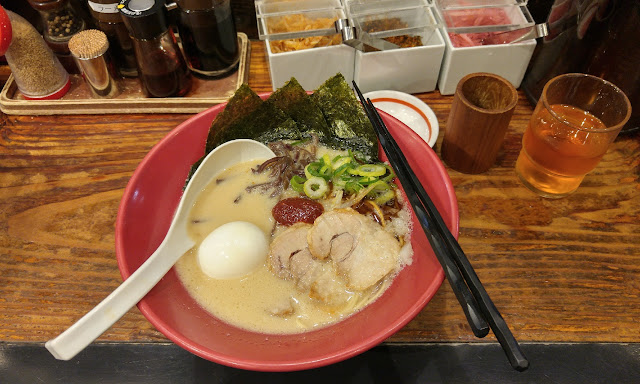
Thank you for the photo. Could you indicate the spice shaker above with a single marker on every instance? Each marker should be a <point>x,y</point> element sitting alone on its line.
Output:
<point>108,19</point>
<point>89,48</point>
<point>208,34</point>
<point>60,22</point>
<point>161,67</point>
<point>36,70</point>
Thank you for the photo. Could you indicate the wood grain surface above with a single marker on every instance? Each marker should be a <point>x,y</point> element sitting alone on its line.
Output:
<point>563,270</point>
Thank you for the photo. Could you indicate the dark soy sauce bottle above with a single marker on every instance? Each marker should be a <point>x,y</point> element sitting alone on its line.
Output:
<point>209,38</point>
<point>161,67</point>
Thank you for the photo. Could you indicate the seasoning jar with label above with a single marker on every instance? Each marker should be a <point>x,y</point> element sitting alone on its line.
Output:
<point>60,21</point>
<point>109,20</point>
<point>161,67</point>
<point>209,38</point>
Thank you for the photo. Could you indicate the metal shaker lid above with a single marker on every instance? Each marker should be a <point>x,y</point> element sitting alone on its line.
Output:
<point>145,19</point>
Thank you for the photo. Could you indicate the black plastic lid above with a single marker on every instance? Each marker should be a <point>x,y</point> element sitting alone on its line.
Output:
<point>198,5</point>
<point>145,19</point>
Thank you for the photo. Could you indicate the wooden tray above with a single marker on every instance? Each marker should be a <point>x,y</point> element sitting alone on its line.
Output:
<point>203,94</point>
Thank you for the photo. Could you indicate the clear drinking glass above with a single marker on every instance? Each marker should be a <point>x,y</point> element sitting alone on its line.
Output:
<point>575,120</point>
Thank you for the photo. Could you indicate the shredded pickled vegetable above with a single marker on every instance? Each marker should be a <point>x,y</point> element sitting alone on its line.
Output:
<point>293,23</point>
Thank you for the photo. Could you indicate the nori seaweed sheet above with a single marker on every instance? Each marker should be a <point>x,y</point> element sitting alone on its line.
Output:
<point>296,102</point>
<point>265,124</point>
<point>347,120</point>
<point>243,102</point>
<point>332,112</point>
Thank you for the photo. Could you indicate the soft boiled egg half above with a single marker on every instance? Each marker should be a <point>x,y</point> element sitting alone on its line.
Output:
<point>233,250</point>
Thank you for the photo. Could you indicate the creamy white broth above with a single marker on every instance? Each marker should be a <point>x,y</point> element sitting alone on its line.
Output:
<point>251,302</point>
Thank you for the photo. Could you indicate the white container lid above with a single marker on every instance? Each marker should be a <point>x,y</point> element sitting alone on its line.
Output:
<point>478,16</point>
<point>271,14</point>
<point>389,21</point>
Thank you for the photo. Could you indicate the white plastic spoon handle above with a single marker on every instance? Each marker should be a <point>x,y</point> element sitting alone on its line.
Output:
<point>117,304</point>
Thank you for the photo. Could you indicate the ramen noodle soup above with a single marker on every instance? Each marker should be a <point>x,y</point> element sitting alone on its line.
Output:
<point>317,272</point>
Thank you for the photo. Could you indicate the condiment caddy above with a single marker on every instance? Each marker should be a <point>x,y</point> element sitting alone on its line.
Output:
<point>78,100</point>
<point>103,87</point>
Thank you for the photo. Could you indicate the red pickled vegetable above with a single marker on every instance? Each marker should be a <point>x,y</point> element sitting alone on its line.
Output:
<point>295,210</point>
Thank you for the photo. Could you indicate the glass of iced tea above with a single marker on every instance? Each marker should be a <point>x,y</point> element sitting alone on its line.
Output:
<point>575,120</point>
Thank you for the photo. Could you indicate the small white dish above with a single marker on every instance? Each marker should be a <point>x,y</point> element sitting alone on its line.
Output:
<point>412,111</point>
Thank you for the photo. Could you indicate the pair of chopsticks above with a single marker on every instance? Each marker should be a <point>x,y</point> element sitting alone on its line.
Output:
<point>474,299</point>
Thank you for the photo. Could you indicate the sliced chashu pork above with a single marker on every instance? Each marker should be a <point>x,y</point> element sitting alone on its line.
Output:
<point>289,258</point>
<point>361,250</point>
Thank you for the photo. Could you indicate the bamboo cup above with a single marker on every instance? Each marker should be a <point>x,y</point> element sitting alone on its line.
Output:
<point>480,114</point>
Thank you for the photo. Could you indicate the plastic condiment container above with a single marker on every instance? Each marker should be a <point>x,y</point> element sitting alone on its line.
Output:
<point>478,36</point>
<point>36,70</point>
<point>412,68</point>
<point>301,41</point>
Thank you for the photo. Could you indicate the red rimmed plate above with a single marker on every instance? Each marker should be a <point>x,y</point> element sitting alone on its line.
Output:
<point>145,213</point>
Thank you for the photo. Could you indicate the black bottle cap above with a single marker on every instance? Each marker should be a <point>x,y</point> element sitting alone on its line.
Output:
<point>198,5</point>
<point>145,19</point>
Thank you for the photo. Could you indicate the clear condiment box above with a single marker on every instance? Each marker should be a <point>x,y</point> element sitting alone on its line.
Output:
<point>481,36</point>
<point>415,66</point>
<point>302,42</point>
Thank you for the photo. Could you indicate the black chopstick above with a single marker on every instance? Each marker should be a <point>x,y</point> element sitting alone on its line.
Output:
<point>466,299</point>
<point>435,228</point>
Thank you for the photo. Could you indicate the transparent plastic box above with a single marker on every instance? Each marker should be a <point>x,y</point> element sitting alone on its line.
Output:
<point>301,41</point>
<point>482,36</point>
<point>412,68</point>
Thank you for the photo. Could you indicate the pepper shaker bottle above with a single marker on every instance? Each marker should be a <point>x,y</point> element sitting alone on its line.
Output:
<point>161,67</point>
<point>36,70</point>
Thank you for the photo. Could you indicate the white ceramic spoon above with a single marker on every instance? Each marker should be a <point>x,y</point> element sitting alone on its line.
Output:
<point>176,243</point>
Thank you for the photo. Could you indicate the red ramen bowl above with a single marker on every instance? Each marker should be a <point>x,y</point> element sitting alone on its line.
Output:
<point>144,216</point>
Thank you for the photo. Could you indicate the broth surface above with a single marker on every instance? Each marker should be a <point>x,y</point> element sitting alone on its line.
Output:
<point>255,301</point>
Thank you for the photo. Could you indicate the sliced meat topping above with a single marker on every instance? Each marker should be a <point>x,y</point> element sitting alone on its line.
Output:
<point>341,253</point>
<point>329,226</point>
<point>290,242</point>
<point>362,251</point>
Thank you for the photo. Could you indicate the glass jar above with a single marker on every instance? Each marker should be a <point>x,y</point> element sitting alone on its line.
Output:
<point>209,38</point>
<point>60,22</point>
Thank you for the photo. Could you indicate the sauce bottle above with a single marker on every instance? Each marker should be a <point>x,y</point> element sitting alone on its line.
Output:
<point>161,68</point>
<point>209,38</point>
<point>108,19</point>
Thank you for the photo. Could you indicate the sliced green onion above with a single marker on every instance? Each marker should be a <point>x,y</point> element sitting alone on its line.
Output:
<point>318,169</point>
<point>385,196</point>
<point>297,183</point>
<point>316,187</point>
<point>368,180</point>
<point>371,170</point>
<point>352,187</point>
<point>340,161</point>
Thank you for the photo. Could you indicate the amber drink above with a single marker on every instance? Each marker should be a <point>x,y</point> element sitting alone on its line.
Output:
<point>575,120</point>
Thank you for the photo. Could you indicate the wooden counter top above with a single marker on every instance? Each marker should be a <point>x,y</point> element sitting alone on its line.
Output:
<point>563,270</point>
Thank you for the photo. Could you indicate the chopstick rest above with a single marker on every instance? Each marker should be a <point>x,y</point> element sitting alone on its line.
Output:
<point>434,227</point>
